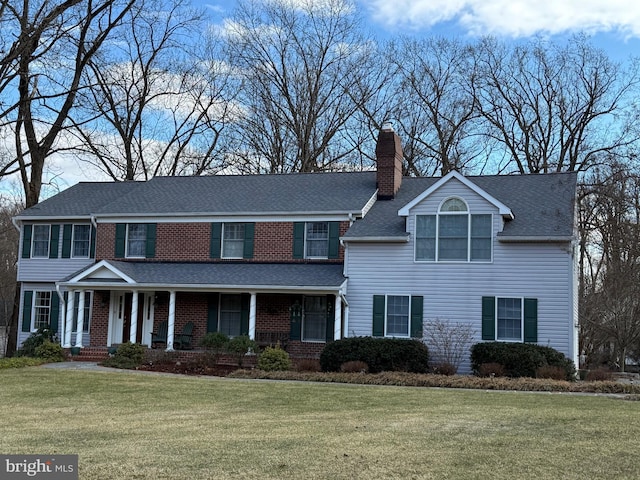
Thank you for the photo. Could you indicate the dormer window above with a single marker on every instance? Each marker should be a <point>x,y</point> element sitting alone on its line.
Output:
<point>453,235</point>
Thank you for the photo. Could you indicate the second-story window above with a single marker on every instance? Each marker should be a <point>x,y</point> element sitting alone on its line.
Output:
<point>136,240</point>
<point>81,241</point>
<point>40,241</point>
<point>233,240</point>
<point>317,240</point>
<point>453,234</point>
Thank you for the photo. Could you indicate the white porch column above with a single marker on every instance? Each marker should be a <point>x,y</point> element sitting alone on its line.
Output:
<point>134,317</point>
<point>252,317</point>
<point>68,320</point>
<point>337,324</point>
<point>80,319</point>
<point>172,320</point>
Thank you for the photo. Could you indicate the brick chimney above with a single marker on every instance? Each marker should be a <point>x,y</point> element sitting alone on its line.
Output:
<point>389,162</point>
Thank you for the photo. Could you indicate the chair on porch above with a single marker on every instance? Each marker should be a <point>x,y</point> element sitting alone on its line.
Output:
<point>160,335</point>
<point>182,341</point>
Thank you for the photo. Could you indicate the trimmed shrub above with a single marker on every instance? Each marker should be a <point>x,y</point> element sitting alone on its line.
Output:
<point>20,362</point>
<point>51,352</point>
<point>308,365</point>
<point>520,359</point>
<point>551,371</point>
<point>274,359</point>
<point>37,338</point>
<point>354,366</point>
<point>445,369</point>
<point>599,375</point>
<point>490,370</point>
<point>380,354</point>
<point>240,346</point>
<point>128,355</point>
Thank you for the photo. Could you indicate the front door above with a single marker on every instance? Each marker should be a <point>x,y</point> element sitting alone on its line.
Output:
<point>117,318</point>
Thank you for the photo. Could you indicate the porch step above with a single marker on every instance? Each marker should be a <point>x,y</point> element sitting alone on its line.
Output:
<point>90,354</point>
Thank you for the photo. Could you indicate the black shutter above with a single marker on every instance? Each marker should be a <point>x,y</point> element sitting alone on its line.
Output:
<point>531,320</point>
<point>249,229</point>
<point>26,310</point>
<point>488,318</point>
<point>215,243</point>
<point>298,240</point>
<point>334,239</point>
<point>150,247</point>
<point>54,241</point>
<point>121,238</point>
<point>379,305</point>
<point>416,316</point>
<point>27,231</point>
<point>67,233</point>
<point>212,313</point>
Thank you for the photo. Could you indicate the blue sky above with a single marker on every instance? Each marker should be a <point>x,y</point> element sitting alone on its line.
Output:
<point>613,24</point>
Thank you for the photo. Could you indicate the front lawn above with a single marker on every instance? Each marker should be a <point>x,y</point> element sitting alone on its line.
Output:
<point>132,425</point>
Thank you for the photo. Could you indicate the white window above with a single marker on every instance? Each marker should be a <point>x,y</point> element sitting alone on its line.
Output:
<point>317,240</point>
<point>453,234</point>
<point>397,316</point>
<point>81,241</point>
<point>136,240</point>
<point>230,318</point>
<point>41,310</point>
<point>509,319</point>
<point>87,311</point>
<point>314,321</point>
<point>40,241</point>
<point>233,240</point>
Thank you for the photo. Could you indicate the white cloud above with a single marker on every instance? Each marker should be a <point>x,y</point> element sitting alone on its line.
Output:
<point>514,18</point>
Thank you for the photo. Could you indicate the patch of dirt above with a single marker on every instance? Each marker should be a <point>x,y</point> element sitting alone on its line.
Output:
<point>186,368</point>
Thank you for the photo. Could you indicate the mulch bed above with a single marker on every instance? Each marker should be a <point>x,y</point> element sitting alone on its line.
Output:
<point>190,368</point>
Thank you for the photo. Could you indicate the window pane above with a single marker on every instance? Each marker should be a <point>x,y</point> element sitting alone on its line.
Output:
<point>397,315</point>
<point>509,319</point>
<point>314,324</point>
<point>480,237</point>
<point>87,312</point>
<point>40,241</point>
<point>81,234</point>
<point>425,237</point>
<point>453,237</point>
<point>233,240</point>
<point>317,239</point>
<point>42,307</point>
<point>454,205</point>
<point>136,239</point>
<point>230,315</point>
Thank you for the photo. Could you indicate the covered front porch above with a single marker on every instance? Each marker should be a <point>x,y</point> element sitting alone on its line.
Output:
<point>300,305</point>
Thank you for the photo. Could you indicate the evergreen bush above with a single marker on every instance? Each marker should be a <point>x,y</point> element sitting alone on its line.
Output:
<point>274,359</point>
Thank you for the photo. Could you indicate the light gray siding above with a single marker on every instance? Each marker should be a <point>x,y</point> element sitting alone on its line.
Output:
<point>453,291</point>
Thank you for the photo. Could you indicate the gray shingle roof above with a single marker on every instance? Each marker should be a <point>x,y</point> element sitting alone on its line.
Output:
<point>81,200</point>
<point>233,274</point>
<point>261,194</point>
<point>542,205</point>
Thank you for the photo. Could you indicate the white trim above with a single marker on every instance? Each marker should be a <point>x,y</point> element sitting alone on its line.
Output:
<point>240,217</point>
<point>86,275</point>
<point>73,234</point>
<point>378,239</point>
<point>386,303</point>
<point>503,209</point>
<point>510,340</point>
<point>533,239</point>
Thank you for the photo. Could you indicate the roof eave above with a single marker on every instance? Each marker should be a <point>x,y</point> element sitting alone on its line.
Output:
<point>377,239</point>
<point>535,238</point>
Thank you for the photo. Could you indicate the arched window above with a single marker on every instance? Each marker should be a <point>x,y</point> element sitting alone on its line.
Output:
<point>453,234</point>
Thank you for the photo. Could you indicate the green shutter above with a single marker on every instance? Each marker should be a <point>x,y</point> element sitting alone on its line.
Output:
<point>150,249</point>
<point>54,314</point>
<point>378,315</point>
<point>54,241</point>
<point>249,229</point>
<point>212,313</point>
<point>295,331</point>
<point>27,302</point>
<point>26,241</point>
<point>244,313</point>
<point>334,239</point>
<point>92,243</point>
<point>488,318</point>
<point>298,240</point>
<point>416,316</point>
<point>67,232</point>
<point>331,317</point>
<point>121,238</point>
<point>531,320</point>
<point>215,244</point>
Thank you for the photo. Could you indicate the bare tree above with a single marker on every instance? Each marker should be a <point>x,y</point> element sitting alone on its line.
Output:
<point>8,259</point>
<point>610,283</point>
<point>554,107</point>
<point>301,65</point>
<point>155,102</point>
<point>429,99</point>
<point>53,43</point>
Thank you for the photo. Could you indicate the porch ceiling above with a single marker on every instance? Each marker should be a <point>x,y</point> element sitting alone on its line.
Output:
<point>196,276</point>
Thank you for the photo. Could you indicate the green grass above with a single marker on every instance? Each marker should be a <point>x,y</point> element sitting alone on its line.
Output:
<point>128,425</point>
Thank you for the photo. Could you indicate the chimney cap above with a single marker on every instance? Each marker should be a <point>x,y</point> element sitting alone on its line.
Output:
<point>387,126</point>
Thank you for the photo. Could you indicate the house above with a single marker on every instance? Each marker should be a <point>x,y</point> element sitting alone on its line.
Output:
<point>304,258</point>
